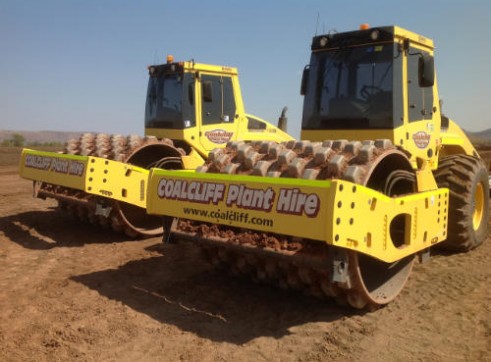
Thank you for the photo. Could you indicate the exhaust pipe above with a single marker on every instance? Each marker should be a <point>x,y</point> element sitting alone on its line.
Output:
<point>282,121</point>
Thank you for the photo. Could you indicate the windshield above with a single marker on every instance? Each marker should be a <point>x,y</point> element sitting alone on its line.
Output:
<point>351,89</point>
<point>169,101</point>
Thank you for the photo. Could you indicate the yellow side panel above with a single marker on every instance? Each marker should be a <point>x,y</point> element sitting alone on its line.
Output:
<point>57,169</point>
<point>94,175</point>
<point>192,161</point>
<point>288,206</point>
<point>117,180</point>
<point>336,212</point>
<point>388,228</point>
<point>454,140</point>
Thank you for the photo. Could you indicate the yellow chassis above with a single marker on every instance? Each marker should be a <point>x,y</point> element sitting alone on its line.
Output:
<point>337,212</point>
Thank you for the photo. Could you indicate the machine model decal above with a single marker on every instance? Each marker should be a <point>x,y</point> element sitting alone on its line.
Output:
<point>219,136</point>
<point>421,139</point>
<point>54,164</point>
<point>289,201</point>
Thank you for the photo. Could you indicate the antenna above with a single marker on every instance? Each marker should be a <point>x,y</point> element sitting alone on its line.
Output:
<point>317,23</point>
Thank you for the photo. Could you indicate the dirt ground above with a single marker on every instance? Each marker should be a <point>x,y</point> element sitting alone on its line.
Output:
<point>70,291</point>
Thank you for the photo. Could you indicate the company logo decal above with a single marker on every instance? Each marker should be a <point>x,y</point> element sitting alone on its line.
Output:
<point>288,201</point>
<point>54,164</point>
<point>219,136</point>
<point>421,139</point>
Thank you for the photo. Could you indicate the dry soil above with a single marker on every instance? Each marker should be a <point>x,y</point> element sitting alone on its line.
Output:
<point>70,291</point>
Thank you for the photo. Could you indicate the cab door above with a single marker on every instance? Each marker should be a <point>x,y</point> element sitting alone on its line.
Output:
<point>218,111</point>
<point>422,109</point>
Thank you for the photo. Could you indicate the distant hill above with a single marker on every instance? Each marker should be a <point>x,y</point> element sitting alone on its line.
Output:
<point>485,135</point>
<point>480,138</point>
<point>40,136</point>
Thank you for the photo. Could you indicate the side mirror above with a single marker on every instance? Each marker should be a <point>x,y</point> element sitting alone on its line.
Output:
<point>305,80</point>
<point>426,70</point>
<point>208,92</point>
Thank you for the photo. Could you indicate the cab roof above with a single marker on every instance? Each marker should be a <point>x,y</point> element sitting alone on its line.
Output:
<point>381,34</point>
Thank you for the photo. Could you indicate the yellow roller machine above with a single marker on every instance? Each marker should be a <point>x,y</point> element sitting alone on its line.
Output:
<point>384,177</point>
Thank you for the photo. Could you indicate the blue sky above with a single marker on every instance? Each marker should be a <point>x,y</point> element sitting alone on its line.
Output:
<point>81,65</point>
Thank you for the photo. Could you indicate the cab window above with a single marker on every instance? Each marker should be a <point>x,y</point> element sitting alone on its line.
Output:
<point>420,99</point>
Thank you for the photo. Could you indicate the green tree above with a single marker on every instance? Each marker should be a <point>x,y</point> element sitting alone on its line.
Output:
<point>16,140</point>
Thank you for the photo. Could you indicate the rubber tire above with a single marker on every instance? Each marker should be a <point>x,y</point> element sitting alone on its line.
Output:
<point>462,174</point>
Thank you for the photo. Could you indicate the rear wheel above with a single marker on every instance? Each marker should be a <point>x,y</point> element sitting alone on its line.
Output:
<point>467,179</point>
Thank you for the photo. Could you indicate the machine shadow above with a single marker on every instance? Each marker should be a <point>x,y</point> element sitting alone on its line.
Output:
<point>180,288</point>
<point>51,228</point>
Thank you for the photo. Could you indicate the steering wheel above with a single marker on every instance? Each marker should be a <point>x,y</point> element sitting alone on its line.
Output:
<point>368,91</point>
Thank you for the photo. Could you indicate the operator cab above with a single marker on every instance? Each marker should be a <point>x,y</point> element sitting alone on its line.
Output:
<point>170,98</point>
<point>355,82</point>
<point>199,107</point>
